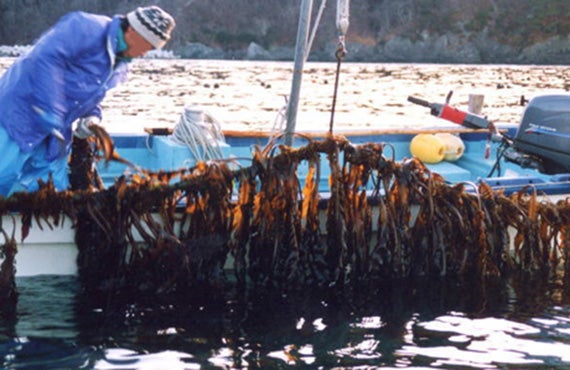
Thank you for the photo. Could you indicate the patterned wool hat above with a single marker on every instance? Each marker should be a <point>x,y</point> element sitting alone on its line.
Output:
<point>153,24</point>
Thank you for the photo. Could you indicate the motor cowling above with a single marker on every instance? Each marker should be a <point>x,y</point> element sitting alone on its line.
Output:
<point>543,135</point>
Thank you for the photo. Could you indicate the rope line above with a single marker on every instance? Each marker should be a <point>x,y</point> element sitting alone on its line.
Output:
<point>201,133</point>
<point>340,53</point>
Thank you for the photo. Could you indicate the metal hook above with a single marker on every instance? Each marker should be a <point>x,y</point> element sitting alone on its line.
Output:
<point>341,49</point>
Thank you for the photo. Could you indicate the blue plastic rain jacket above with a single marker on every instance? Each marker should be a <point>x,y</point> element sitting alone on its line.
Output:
<point>65,76</point>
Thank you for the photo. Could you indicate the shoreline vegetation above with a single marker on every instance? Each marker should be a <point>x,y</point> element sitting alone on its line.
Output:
<point>403,31</point>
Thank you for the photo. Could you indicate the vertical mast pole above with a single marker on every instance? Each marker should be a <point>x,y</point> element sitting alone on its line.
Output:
<point>300,55</point>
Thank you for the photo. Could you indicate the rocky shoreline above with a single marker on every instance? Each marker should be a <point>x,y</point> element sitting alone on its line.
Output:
<point>448,48</point>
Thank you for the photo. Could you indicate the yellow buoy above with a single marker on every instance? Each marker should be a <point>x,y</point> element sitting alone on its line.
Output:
<point>428,148</point>
<point>454,146</point>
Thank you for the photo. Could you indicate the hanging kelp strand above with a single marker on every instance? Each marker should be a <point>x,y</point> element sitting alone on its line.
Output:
<point>268,225</point>
<point>8,291</point>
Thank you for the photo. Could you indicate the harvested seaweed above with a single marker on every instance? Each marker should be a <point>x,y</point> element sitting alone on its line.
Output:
<point>198,228</point>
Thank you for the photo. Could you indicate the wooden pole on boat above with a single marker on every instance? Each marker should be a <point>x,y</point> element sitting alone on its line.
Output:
<point>300,56</point>
<point>476,103</point>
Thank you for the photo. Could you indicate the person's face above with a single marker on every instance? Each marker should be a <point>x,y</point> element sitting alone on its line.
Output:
<point>137,46</point>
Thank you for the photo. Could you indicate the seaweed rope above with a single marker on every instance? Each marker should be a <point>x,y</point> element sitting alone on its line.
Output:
<point>201,133</point>
<point>423,227</point>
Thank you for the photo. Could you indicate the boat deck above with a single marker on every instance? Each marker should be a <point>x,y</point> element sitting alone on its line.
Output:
<point>161,152</point>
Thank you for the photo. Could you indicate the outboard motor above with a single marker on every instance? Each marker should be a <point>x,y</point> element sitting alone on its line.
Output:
<point>542,140</point>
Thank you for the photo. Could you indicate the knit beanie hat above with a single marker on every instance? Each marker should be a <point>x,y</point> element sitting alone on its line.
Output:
<point>153,24</point>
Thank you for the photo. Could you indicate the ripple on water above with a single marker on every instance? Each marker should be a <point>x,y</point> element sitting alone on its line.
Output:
<point>420,325</point>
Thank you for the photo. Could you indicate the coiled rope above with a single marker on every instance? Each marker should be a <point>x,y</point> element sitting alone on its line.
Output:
<point>201,133</point>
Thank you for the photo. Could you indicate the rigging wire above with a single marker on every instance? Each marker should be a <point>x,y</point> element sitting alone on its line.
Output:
<point>342,22</point>
<point>340,53</point>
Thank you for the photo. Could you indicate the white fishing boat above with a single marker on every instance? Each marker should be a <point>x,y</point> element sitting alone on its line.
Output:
<point>528,157</point>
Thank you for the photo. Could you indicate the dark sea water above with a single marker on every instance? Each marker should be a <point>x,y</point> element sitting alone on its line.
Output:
<point>515,323</point>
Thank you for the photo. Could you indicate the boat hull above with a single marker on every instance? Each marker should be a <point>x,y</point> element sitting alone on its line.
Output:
<point>50,250</point>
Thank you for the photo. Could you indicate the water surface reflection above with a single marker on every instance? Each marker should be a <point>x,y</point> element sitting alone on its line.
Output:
<point>518,323</point>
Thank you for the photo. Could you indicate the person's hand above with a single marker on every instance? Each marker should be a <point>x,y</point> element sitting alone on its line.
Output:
<point>83,131</point>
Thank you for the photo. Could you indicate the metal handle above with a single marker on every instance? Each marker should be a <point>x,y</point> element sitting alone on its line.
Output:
<point>419,101</point>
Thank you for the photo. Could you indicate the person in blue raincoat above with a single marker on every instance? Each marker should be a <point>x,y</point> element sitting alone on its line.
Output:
<point>54,90</point>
